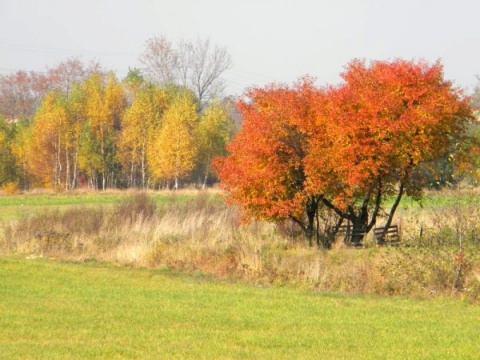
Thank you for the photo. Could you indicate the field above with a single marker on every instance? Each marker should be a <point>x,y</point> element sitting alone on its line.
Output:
<point>53,309</point>
<point>197,232</point>
<point>126,275</point>
<point>15,206</point>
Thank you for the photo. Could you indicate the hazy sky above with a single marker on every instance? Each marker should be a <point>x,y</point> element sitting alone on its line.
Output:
<point>268,40</point>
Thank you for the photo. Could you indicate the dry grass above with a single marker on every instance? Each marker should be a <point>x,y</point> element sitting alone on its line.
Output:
<point>203,235</point>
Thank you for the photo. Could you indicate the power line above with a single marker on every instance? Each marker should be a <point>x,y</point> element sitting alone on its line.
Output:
<point>48,50</point>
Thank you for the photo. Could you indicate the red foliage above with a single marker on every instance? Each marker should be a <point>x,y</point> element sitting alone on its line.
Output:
<point>346,146</point>
<point>264,171</point>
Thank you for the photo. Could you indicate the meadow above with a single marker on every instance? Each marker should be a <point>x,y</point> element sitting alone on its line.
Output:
<point>176,275</point>
<point>195,232</point>
<point>21,205</point>
<point>57,309</point>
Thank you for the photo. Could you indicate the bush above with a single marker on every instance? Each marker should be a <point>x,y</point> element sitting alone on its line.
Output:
<point>10,187</point>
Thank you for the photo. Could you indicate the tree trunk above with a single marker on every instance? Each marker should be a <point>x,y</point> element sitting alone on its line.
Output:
<point>311,210</point>
<point>394,207</point>
<point>67,170</point>
<point>143,162</point>
<point>358,231</point>
<point>309,229</point>
<point>207,170</point>
<point>75,171</point>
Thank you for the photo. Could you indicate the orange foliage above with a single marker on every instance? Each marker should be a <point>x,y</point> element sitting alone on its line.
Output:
<point>346,146</point>
<point>264,172</point>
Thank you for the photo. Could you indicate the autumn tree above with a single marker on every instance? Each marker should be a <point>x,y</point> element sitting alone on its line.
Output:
<point>20,149</point>
<point>66,74</point>
<point>20,94</point>
<point>385,123</point>
<point>195,65</point>
<point>138,125</point>
<point>350,147</point>
<point>105,102</point>
<point>213,133</point>
<point>47,149</point>
<point>172,154</point>
<point>77,118</point>
<point>264,172</point>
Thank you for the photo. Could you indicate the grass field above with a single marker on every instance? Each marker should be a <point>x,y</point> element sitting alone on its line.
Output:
<point>51,309</point>
<point>196,232</point>
<point>15,206</point>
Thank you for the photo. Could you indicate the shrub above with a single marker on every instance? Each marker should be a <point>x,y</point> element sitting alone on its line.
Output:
<point>10,187</point>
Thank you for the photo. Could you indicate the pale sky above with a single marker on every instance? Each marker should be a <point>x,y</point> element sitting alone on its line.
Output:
<point>268,40</point>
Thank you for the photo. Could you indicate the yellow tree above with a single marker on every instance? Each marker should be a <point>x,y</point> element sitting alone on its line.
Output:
<point>138,124</point>
<point>47,156</point>
<point>105,103</point>
<point>77,116</point>
<point>172,154</point>
<point>214,132</point>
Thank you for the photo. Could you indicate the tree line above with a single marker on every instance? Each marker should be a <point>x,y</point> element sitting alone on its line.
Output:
<point>76,125</point>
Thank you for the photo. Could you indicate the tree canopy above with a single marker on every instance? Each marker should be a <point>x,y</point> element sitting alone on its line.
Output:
<point>347,147</point>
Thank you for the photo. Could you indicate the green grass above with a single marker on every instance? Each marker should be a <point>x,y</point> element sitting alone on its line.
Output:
<point>56,310</point>
<point>439,200</point>
<point>15,206</point>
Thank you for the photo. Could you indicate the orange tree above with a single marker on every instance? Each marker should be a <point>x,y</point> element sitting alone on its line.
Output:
<point>264,171</point>
<point>348,147</point>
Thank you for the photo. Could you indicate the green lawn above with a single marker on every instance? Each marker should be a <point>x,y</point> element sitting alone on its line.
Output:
<point>51,309</point>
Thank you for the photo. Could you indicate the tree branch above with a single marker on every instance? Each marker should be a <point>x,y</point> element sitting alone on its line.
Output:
<point>298,222</point>
<point>395,205</point>
<point>334,208</point>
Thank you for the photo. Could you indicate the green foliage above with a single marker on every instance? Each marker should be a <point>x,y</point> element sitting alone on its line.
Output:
<point>214,133</point>
<point>8,171</point>
<point>89,156</point>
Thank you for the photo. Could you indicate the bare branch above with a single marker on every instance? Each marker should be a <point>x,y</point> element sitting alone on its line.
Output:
<point>197,66</point>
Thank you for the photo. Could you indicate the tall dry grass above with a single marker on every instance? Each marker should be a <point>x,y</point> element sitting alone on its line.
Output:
<point>204,235</point>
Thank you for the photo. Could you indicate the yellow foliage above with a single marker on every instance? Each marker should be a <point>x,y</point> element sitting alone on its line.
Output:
<point>47,150</point>
<point>138,124</point>
<point>173,151</point>
<point>10,187</point>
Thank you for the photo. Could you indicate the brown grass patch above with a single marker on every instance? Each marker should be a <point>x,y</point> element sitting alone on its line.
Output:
<point>204,235</point>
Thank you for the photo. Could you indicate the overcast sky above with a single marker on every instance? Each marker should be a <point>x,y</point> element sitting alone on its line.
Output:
<point>268,40</point>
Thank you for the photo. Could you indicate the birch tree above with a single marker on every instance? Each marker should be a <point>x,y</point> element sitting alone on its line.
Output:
<point>173,152</point>
<point>138,124</point>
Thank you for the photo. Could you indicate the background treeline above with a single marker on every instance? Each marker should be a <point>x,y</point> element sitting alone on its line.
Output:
<point>78,126</point>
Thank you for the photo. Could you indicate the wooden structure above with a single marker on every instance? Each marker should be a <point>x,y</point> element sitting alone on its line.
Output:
<point>386,236</point>
<point>347,232</point>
